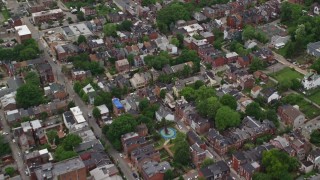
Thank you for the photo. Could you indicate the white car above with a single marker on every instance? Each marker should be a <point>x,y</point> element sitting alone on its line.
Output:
<point>121,155</point>
<point>179,126</point>
<point>5,133</point>
<point>13,140</point>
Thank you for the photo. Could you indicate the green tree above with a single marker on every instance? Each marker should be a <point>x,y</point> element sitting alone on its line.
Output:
<point>254,109</point>
<point>228,100</point>
<point>316,66</point>
<point>284,85</point>
<point>148,2</point>
<point>257,64</point>
<point>62,154</point>
<point>96,113</point>
<point>315,137</point>
<point>71,104</point>
<point>271,115</point>
<point>163,93</point>
<point>32,78</point>
<point>209,107</point>
<point>125,25</point>
<point>71,141</point>
<point>170,14</point>
<point>53,137</point>
<point>77,87</point>
<point>180,39</point>
<point>121,125</point>
<point>207,162</point>
<point>168,175</point>
<point>188,93</point>
<point>226,118</point>
<point>34,96</point>
<point>80,16</point>
<point>205,92</point>
<point>28,53</point>
<point>279,164</point>
<point>143,104</point>
<point>198,84</point>
<point>261,176</point>
<point>82,39</point>
<point>130,58</point>
<point>182,153</point>
<point>10,171</point>
<point>175,41</point>
<point>4,147</point>
<point>296,84</point>
<point>110,30</point>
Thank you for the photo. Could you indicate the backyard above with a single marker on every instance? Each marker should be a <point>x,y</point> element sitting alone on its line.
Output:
<point>308,109</point>
<point>287,74</point>
<point>315,97</point>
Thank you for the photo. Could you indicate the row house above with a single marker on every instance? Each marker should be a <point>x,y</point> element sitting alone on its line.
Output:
<point>291,116</point>
<point>250,129</point>
<point>218,170</point>
<point>143,154</point>
<point>35,112</point>
<point>46,16</point>
<point>131,141</point>
<point>95,44</point>
<point>153,170</point>
<point>65,51</point>
<point>88,11</point>
<point>246,163</point>
<point>116,17</point>
<point>37,157</point>
<point>127,37</point>
<point>79,75</point>
<point>45,73</point>
<point>186,112</point>
<point>198,155</point>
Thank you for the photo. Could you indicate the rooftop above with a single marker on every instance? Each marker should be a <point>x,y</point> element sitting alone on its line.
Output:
<point>22,30</point>
<point>67,166</point>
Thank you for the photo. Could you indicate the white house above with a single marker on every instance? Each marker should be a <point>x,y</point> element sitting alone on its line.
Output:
<point>165,113</point>
<point>88,89</point>
<point>270,94</point>
<point>311,80</point>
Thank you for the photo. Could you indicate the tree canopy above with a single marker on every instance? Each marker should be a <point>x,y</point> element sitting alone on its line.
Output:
<point>182,153</point>
<point>4,147</point>
<point>226,117</point>
<point>207,162</point>
<point>121,125</point>
<point>32,78</point>
<point>228,100</point>
<point>96,113</point>
<point>278,164</point>
<point>209,107</point>
<point>315,137</point>
<point>34,95</point>
<point>71,141</point>
<point>254,110</point>
<point>170,14</point>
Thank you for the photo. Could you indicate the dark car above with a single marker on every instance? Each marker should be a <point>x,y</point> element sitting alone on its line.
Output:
<point>134,175</point>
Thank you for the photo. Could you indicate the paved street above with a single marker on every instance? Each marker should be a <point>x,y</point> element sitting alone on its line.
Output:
<point>14,147</point>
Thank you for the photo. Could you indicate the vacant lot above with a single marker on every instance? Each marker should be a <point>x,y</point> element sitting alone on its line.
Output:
<point>308,109</point>
<point>287,73</point>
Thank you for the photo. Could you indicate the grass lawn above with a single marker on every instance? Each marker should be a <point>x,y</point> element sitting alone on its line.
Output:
<point>159,143</point>
<point>5,14</point>
<point>315,97</point>
<point>164,154</point>
<point>172,149</point>
<point>308,109</point>
<point>287,73</point>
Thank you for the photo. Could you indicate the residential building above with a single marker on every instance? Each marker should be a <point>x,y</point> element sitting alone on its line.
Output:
<point>8,102</point>
<point>137,81</point>
<point>122,65</point>
<point>291,116</point>
<point>142,129</point>
<point>80,75</point>
<point>131,141</point>
<point>153,170</point>
<point>108,171</point>
<point>37,157</point>
<point>104,111</point>
<point>270,94</point>
<point>46,16</point>
<point>193,138</point>
<point>198,155</point>
<point>164,113</point>
<point>22,33</point>
<point>314,49</point>
<point>89,90</point>
<point>218,170</point>
<point>45,73</point>
<point>66,50</point>
<point>56,91</point>
<point>314,157</point>
<point>88,11</point>
<point>72,169</point>
<point>311,80</point>
<point>118,107</point>
<point>143,154</point>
